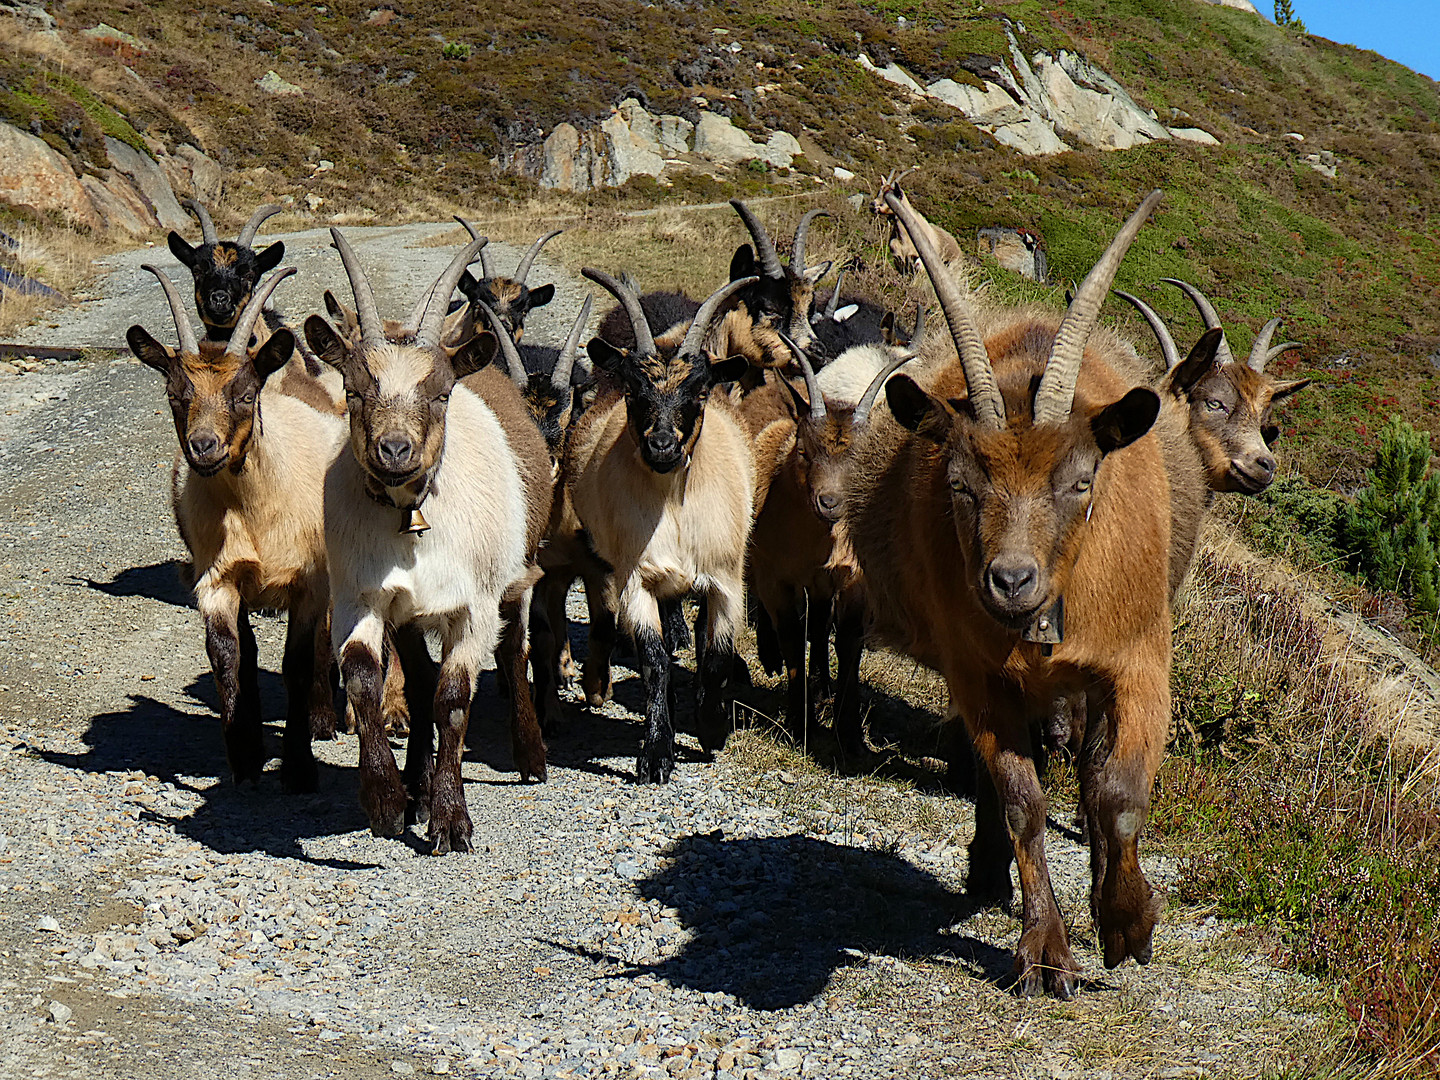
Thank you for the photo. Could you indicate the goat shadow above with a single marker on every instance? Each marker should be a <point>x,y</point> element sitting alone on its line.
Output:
<point>162,581</point>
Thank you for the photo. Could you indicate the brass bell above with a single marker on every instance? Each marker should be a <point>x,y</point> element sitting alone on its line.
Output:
<point>415,522</point>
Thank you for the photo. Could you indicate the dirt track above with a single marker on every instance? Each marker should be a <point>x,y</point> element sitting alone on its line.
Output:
<point>739,921</point>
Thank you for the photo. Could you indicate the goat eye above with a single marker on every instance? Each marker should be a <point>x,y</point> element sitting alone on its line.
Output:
<point>1081,486</point>
<point>1215,405</point>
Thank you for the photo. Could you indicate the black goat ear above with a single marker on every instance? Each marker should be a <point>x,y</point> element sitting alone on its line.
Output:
<point>742,263</point>
<point>917,411</point>
<point>270,258</point>
<point>475,354</point>
<point>729,369</point>
<point>274,354</point>
<point>149,351</point>
<point>1184,376</point>
<point>606,357</point>
<point>324,342</point>
<point>1121,422</point>
<point>183,251</point>
<point>887,328</point>
<point>332,306</point>
<point>541,296</point>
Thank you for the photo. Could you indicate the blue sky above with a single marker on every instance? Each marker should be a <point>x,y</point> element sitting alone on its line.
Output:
<point>1403,30</point>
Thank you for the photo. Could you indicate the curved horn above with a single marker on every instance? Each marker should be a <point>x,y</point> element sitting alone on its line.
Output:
<point>247,234</point>
<point>523,270</point>
<point>245,325</point>
<point>437,304</point>
<point>1223,355</point>
<point>867,399</point>
<point>207,227</point>
<point>372,330</point>
<point>812,384</point>
<point>1259,352</point>
<point>1283,347</point>
<point>797,249</point>
<point>474,232</point>
<point>985,397</point>
<point>412,325</point>
<point>695,336</point>
<point>1157,324</point>
<point>834,303</point>
<point>764,247</point>
<point>188,344</point>
<point>639,325</point>
<point>917,336</point>
<point>513,363</point>
<point>1056,392</point>
<point>560,377</point>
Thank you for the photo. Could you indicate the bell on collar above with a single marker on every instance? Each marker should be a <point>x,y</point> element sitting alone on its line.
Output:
<point>1048,627</point>
<point>414,522</point>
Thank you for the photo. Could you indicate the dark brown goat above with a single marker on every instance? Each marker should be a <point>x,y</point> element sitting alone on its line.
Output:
<point>778,303</point>
<point>225,271</point>
<point>511,298</point>
<point>1014,523</point>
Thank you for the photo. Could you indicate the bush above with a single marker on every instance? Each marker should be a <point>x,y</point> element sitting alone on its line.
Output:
<point>1385,531</point>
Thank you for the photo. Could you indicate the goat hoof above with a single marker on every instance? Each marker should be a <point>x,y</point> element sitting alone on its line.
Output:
<point>299,777</point>
<point>322,723</point>
<point>655,767</point>
<point>384,809</point>
<point>452,836</point>
<point>417,812</point>
<point>530,762</point>
<point>247,759</point>
<point>392,826</point>
<point>988,888</point>
<point>397,725</point>
<point>1043,962</point>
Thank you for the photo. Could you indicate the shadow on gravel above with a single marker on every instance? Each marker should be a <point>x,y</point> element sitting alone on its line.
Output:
<point>159,581</point>
<point>774,918</point>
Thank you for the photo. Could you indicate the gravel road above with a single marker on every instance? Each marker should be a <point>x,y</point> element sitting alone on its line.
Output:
<point>739,922</point>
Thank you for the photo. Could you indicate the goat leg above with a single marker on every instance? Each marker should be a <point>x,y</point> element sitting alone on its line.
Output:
<point>527,745</point>
<point>849,615</point>
<point>595,679</point>
<point>718,663</point>
<point>322,681</point>
<point>450,827</point>
<point>819,614</point>
<point>239,709</point>
<point>298,772</point>
<point>790,630</point>
<point>412,656</point>
<point>545,654</point>
<point>657,754</point>
<point>382,794</point>
<point>395,707</point>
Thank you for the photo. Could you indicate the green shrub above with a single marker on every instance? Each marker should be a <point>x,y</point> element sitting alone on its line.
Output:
<point>455,50</point>
<point>1385,531</point>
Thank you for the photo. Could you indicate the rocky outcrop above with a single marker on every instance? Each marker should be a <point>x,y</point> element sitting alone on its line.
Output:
<point>35,176</point>
<point>1239,5</point>
<point>119,204</point>
<point>150,180</point>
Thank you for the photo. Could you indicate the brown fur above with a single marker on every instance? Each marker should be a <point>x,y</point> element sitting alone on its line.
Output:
<point>1230,421</point>
<point>902,251</point>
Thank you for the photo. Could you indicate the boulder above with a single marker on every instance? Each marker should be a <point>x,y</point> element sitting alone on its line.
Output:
<point>992,106</point>
<point>207,178</point>
<point>1086,104</point>
<point>1033,137</point>
<point>1195,135</point>
<point>1238,5</point>
<point>675,134</point>
<point>720,141</point>
<point>566,162</point>
<point>149,179</point>
<point>627,154</point>
<point>270,83</point>
<point>893,73</point>
<point>644,129</point>
<point>120,204</point>
<point>32,13</point>
<point>108,37</point>
<point>34,175</point>
<point>781,149</point>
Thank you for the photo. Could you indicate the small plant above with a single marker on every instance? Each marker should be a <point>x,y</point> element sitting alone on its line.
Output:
<point>1285,16</point>
<point>1386,531</point>
<point>758,165</point>
<point>455,50</point>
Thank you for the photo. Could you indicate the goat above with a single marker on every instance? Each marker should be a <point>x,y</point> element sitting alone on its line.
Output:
<point>246,491</point>
<point>225,271</point>
<point>662,476</point>
<point>1014,522</point>
<point>543,375</point>
<point>903,251</point>
<point>1229,403</point>
<point>778,302</point>
<point>837,326</point>
<point>465,450</point>
<point>511,298</point>
<point>797,531</point>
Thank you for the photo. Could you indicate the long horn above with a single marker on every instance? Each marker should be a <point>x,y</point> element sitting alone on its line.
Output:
<point>797,249</point>
<point>207,227</point>
<point>245,325</point>
<point>422,305</point>
<point>523,270</point>
<point>188,344</point>
<point>372,330</point>
<point>1223,355</point>
<point>834,303</point>
<point>1057,385</point>
<point>1157,325</point>
<point>764,247</point>
<point>513,363</point>
<point>437,305</point>
<point>639,325</point>
<point>1283,347</point>
<point>565,365</point>
<point>812,384</point>
<point>695,336</point>
<point>985,397</point>
<point>867,399</point>
<point>247,234</point>
<point>485,269</point>
<point>1259,352</point>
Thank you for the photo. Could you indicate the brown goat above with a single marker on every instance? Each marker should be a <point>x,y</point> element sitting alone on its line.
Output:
<point>1014,523</point>
<point>903,253</point>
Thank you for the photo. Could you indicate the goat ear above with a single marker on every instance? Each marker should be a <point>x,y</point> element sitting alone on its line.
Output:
<point>149,351</point>
<point>802,407</point>
<point>1270,433</point>
<point>474,355</point>
<point>1121,422</point>
<point>1184,376</point>
<point>541,296</point>
<point>729,370</point>
<point>742,263</point>
<point>1285,389</point>
<point>818,271</point>
<point>270,258</point>
<point>332,306</point>
<point>467,283</point>
<point>324,342</point>
<point>917,411</point>
<point>272,356</point>
<point>183,251</point>
<point>887,327</point>
<point>605,356</point>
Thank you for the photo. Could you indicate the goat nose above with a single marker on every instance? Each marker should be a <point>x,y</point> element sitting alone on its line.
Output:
<point>829,500</point>
<point>1012,578</point>
<point>220,299</point>
<point>394,451</point>
<point>1265,464</point>
<point>204,445</point>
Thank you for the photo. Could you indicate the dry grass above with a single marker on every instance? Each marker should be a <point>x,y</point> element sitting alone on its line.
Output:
<point>60,258</point>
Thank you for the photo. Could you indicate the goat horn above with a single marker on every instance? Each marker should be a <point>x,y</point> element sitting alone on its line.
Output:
<point>834,303</point>
<point>1157,324</point>
<point>207,227</point>
<point>1260,352</point>
<point>372,330</point>
<point>513,363</point>
<point>1056,392</point>
<point>979,376</point>
<point>422,305</point>
<point>812,384</point>
<point>797,249</point>
<point>867,399</point>
<point>560,377</point>
<point>1223,355</point>
<point>639,325</point>
<point>695,336</point>
<point>247,234</point>
<point>475,235</point>
<point>918,334</point>
<point>764,247</point>
<point>245,325</point>
<point>188,344</point>
<point>628,280</point>
<point>1283,347</point>
<point>437,304</point>
<point>474,232</point>
<point>523,270</point>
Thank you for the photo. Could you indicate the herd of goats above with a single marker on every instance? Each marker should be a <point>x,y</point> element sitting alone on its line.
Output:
<point>1016,510</point>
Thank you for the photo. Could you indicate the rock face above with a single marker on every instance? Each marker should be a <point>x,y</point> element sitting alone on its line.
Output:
<point>1239,5</point>
<point>119,204</point>
<point>634,142</point>
<point>207,179</point>
<point>35,176</point>
<point>151,182</point>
